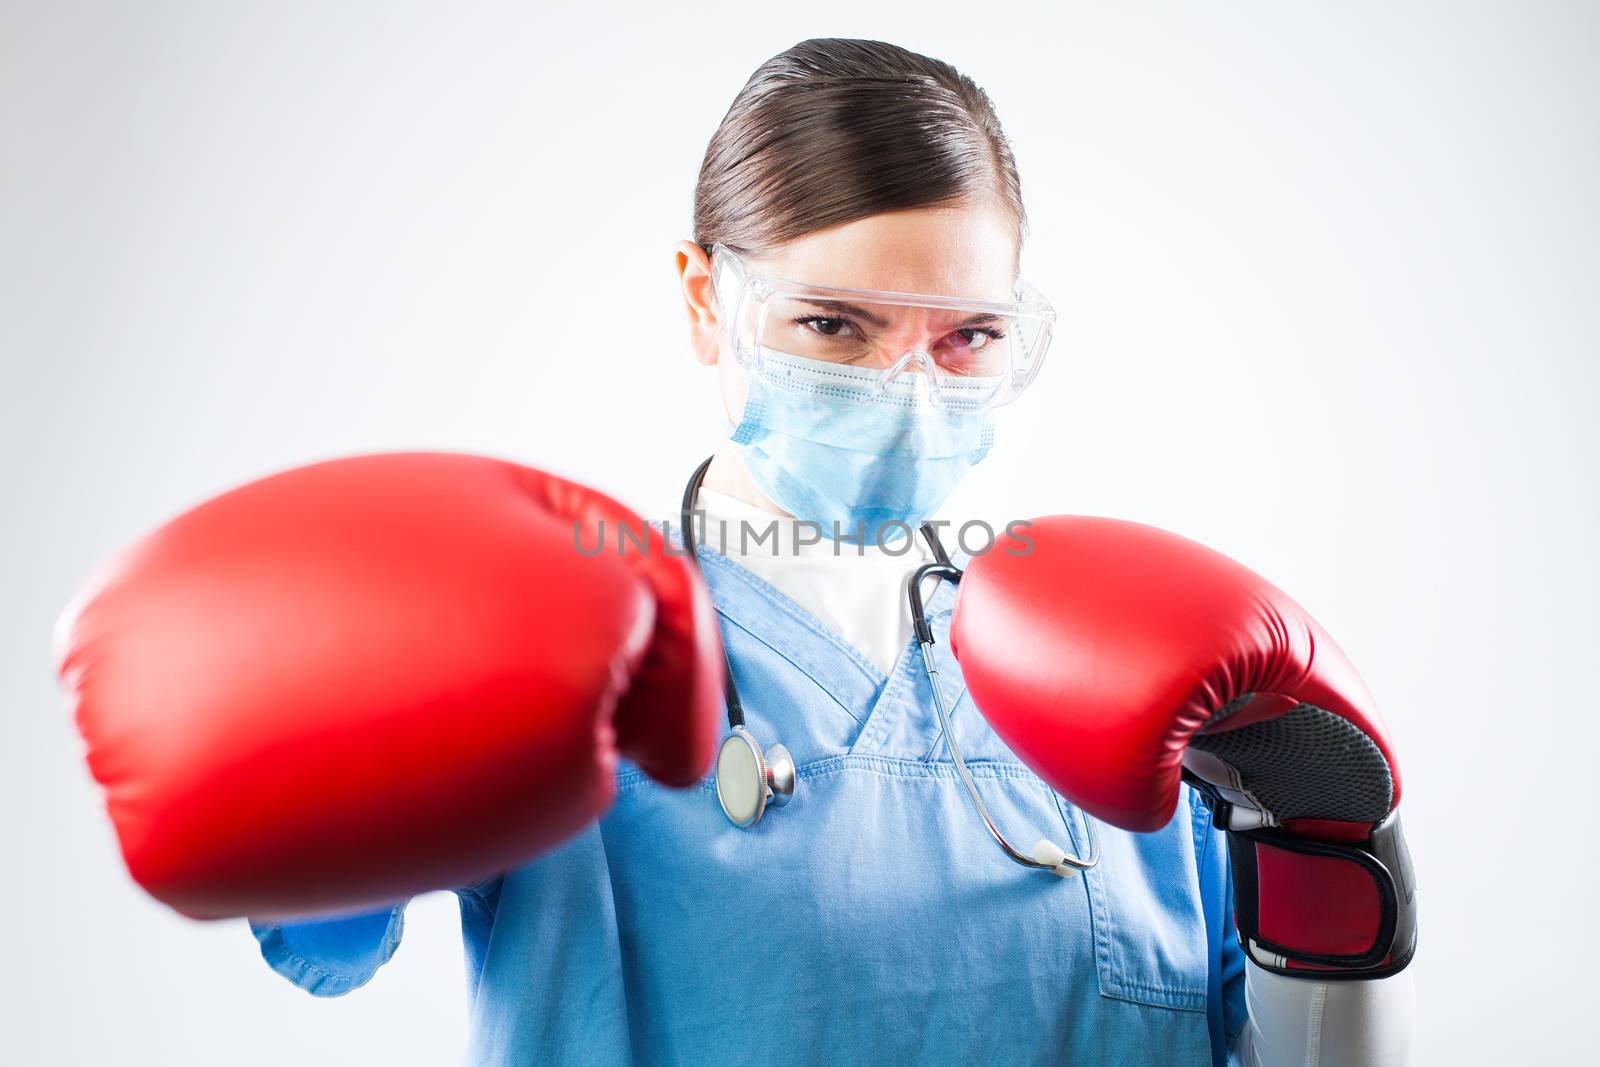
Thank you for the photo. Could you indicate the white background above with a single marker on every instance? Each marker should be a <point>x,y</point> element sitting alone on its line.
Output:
<point>1328,284</point>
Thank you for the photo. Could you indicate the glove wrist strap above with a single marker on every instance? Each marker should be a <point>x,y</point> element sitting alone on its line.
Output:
<point>1325,909</point>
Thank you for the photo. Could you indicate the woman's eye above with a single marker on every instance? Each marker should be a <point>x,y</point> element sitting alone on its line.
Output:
<point>976,340</point>
<point>826,327</point>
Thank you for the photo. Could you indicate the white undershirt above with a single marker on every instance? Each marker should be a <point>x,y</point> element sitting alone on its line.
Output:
<point>859,592</point>
<point>1325,1024</point>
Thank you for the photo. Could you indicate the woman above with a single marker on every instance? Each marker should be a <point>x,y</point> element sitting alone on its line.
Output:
<point>874,919</point>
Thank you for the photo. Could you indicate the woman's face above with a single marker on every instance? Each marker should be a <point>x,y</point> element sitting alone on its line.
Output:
<point>958,251</point>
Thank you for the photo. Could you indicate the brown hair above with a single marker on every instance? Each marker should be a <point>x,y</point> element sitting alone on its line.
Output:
<point>834,130</point>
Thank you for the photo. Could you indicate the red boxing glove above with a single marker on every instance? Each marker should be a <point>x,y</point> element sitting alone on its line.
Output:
<point>355,681</point>
<point>1117,659</point>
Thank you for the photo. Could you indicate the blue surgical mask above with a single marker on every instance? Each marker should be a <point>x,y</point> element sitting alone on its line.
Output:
<point>827,443</point>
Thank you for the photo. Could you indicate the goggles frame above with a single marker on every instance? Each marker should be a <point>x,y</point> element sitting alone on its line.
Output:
<point>731,274</point>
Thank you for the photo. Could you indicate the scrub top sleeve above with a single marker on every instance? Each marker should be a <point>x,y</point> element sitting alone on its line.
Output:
<point>1225,986</point>
<point>330,957</point>
<point>479,903</point>
<point>1234,1012</point>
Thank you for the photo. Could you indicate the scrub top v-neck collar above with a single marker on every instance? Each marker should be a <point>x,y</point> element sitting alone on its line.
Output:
<point>891,720</point>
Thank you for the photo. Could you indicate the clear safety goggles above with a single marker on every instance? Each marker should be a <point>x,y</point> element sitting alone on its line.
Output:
<point>968,355</point>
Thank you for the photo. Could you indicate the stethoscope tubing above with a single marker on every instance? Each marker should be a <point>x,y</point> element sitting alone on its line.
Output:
<point>943,569</point>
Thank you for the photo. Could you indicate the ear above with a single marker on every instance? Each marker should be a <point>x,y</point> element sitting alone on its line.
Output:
<point>694,276</point>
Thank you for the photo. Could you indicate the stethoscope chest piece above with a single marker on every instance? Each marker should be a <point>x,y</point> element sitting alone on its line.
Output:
<point>749,779</point>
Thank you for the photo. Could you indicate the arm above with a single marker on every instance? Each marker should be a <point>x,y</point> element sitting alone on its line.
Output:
<point>1331,1024</point>
<point>1120,661</point>
<point>1262,1019</point>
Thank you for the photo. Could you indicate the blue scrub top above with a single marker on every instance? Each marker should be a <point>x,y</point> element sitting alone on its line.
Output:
<point>871,919</point>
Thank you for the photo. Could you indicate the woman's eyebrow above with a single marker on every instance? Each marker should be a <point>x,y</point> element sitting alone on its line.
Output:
<point>849,309</point>
<point>983,318</point>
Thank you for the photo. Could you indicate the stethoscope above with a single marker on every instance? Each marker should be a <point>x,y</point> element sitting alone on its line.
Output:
<point>750,778</point>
